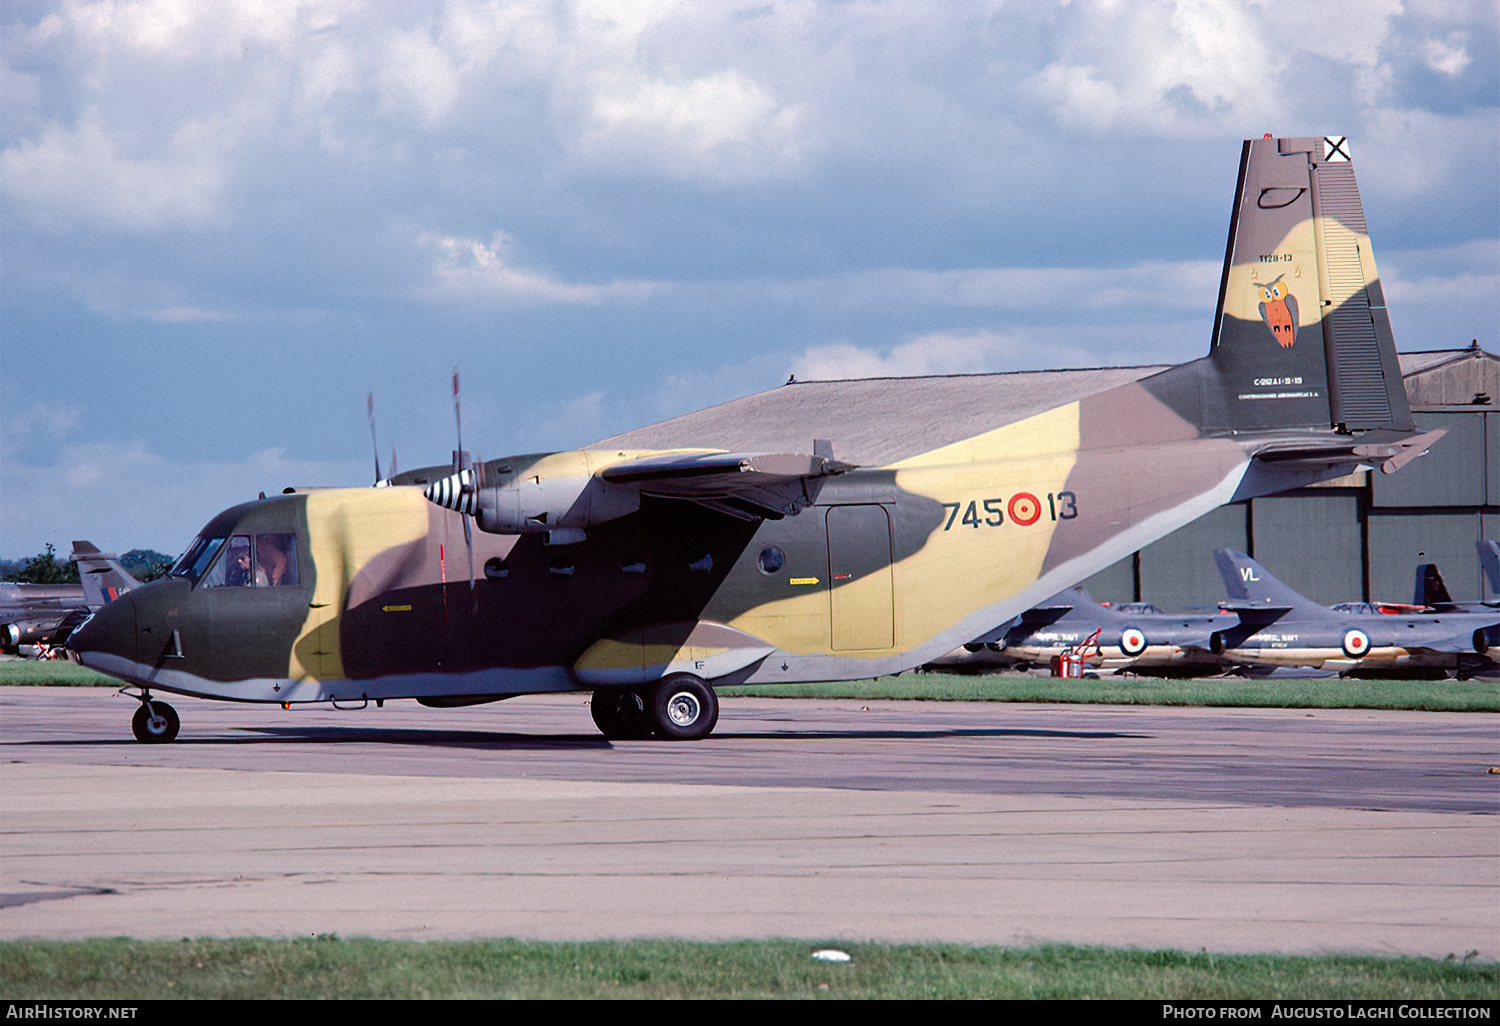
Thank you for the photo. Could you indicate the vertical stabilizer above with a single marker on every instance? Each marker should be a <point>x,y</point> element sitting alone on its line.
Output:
<point>100,573</point>
<point>1301,336</point>
<point>1489,562</point>
<point>1430,589</point>
<point>1250,583</point>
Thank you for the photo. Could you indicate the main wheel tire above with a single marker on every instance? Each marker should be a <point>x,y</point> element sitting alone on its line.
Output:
<point>621,714</point>
<point>684,708</point>
<point>155,723</point>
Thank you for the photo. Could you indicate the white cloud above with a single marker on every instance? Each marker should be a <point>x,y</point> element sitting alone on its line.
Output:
<point>1448,56</point>
<point>121,495</point>
<point>81,175</point>
<point>970,352</point>
<point>475,270</point>
<point>1060,291</point>
<point>1187,67</point>
<point>720,127</point>
<point>24,423</point>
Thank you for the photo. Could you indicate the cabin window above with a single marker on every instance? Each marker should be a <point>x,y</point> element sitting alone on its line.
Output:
<point>276,560</point>
<point>770,560</point>
<point>562,565</point>
<point>496,568</point>
<point>632,563</point>
<point>703,564</point>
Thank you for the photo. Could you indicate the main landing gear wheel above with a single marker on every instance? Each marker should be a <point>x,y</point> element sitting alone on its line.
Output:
<point>155,723</point>
<point>621,714</point>
<point>683,708</point>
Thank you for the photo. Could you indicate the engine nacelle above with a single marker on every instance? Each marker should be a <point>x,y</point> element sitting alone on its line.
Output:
<point>536,493</point>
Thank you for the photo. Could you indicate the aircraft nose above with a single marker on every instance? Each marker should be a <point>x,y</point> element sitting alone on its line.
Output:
<point>109,631</point>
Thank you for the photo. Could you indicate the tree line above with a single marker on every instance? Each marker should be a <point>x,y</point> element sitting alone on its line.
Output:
<point>45,568</point>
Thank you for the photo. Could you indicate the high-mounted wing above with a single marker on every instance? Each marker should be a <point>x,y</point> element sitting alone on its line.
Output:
<point>745,485</point>
<point>565,493</point>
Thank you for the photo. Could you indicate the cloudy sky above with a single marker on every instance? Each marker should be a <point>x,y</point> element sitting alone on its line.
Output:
<point>224,224</point>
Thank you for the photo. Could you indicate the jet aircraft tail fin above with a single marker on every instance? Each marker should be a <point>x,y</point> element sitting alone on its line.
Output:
<point>1429,588</point>
<point>1252,588</point>
<point>1489,561</point>
<point>1301,335</point>
<point>100,573</point>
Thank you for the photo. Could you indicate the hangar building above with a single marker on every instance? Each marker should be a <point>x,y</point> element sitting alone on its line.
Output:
<point>1361,536</point>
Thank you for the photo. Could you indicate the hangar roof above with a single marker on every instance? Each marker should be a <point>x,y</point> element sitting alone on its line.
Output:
<point>875,421</point>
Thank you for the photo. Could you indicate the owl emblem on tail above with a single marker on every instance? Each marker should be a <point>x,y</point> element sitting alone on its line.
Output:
<point>1278,308</point>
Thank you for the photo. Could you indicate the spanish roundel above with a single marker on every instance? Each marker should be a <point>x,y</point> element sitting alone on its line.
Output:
<point>1024,509</point>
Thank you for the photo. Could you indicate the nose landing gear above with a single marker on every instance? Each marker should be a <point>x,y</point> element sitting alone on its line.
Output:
<point>155,722</point>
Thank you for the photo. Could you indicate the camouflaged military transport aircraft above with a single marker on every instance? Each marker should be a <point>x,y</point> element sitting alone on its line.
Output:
<point>715,549</point>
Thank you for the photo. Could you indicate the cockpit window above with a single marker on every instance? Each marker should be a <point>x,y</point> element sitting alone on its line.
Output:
<point>256,561</point>
<point>192,563</point>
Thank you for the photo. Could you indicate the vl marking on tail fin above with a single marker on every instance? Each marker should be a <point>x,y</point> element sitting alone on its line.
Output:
<point>1253,589</point>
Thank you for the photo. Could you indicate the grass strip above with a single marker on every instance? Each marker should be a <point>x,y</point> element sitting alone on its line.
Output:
<point>331,967</point>
<point>1278,693</point>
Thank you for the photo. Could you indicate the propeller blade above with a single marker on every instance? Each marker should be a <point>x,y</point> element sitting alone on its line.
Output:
<point>370,406</point>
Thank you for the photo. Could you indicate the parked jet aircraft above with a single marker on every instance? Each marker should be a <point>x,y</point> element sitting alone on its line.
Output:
<point>714,549</point>
<point>1279,627</point>
<point>1133,636</point>
<point>1430,590</point>
<point>45,614</point>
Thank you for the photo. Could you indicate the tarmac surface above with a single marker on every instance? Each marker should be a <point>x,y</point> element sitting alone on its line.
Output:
<point>830,820</point>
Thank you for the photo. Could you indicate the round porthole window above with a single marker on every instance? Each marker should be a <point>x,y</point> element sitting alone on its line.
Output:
<point>770,560</point>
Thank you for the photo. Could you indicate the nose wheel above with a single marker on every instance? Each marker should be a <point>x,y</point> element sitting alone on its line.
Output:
<point>154,723</point>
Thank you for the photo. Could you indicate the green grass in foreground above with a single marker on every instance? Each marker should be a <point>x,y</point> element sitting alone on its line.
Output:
<point>56,672</point>
<point>328,967</point>
<point>1289,693</point>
